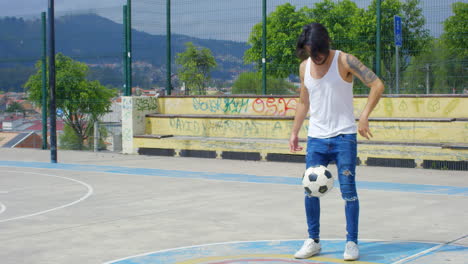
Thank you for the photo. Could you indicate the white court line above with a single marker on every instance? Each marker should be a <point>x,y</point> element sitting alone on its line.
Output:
<point>2,208</point>
<point>222,243</point>
<point>257,241</point>
<point>428,250</point>
<point>89,193</point>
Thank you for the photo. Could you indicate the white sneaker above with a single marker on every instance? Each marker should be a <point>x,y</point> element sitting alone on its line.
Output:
<point>307,250</point>
<point>351,251</point>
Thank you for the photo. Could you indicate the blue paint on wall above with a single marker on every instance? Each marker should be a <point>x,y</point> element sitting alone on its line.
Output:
<point>382,186</point>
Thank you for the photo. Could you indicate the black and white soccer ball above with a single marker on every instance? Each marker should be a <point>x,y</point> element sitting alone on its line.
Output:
<point>317,181</point>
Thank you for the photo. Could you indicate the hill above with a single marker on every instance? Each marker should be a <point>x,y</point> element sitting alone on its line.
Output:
<point>98,41</point>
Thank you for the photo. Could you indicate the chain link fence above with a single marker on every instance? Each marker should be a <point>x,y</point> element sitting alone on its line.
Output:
<point>433,57</point>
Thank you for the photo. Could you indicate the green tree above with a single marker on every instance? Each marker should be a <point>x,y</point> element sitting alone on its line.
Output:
<point>437,71</point>
<point>15,107</point>
<point>352,29</point>
<point>455,30</point>
<point>251,83</point>
<point>342,20</point>
<point>442,69</point>
<point>416,39</point>
<point>456,46</point>
<point>284,25</point>
<point>419,76</point>
<point>196,65</point>
<point>69,140</point>
<point>81,100</point>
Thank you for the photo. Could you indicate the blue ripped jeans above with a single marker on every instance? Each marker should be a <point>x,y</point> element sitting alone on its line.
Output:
<point>342,149</point>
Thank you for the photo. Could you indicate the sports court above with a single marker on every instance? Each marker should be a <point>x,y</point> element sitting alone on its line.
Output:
<point>113,208</point>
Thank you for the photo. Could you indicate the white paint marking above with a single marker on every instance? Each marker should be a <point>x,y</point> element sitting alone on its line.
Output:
<point>419,254</point>
<point>2,208</point>
<point>222,243</point>
<point>428,250</point>
<point>89,193</point>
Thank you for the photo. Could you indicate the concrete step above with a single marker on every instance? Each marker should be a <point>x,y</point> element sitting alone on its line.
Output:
<point>395,154</point>
<point>249,127</point>
<point>423,130</point>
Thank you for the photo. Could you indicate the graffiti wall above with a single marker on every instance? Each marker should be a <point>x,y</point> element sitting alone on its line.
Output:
<point>134,110</point>
<point>229,124</point>
<point>277,106</point>
<point>422,107</point>
<point>226,128</point>
<point>388,131</point>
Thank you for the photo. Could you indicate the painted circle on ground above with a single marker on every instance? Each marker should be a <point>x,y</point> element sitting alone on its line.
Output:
<point>18,190</point>
<point>281,252</point>
<point>259,260</point>
<point>2,208</point>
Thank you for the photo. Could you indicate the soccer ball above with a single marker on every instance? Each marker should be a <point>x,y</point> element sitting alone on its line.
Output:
<point>317,181</point>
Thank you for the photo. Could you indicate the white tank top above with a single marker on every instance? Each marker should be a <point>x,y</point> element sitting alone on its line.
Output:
<point>331,103</point>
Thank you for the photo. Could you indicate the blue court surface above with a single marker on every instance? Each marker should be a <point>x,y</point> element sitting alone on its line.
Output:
<point>163,211</point>
<point>277,252</point>
<point>384,186</point>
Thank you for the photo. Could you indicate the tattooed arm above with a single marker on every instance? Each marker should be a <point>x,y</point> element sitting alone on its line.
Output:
<point>356,68</point>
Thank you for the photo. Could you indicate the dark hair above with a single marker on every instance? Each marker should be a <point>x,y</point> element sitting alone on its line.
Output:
<point>315,37</point>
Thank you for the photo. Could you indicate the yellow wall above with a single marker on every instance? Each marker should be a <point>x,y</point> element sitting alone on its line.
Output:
<point>394,131</point>
<point>423,107</point>
<point>218,127</point>
<point>229,106</point>
<point>206,130</point>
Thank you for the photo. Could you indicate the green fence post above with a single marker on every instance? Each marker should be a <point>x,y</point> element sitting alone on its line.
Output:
<point>125,52</point>
<point>378,39</point>
<point>168,48</point>
<point>52,84</point>
<point>129,46</point>
<point>44,80</point>
<point>264,46</point>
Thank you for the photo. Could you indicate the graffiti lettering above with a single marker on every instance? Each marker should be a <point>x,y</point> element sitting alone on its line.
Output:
<point>235,105</point>
<point>207,105</point>
<point>403,106</point>
<point>218,128</point>
<point>146,104</point>
<point>433,105</point>
<point>274,106</point>
<point>127,103</point>
<point>226,105</point>
<point>183,125</point>
<point>127,134</point>
<point>451,106</point>
<point>416,103</point>
<point>388,107</point>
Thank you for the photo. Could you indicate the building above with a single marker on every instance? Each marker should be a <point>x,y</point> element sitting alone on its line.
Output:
<point>12,122</point>
<point>20,140</point>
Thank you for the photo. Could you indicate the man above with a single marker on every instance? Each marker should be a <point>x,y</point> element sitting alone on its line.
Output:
<point>327,93</point>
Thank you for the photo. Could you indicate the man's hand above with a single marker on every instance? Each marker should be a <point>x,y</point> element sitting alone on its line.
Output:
<point>364,127</point>
<point>294,144</point>
<point>372,81</point>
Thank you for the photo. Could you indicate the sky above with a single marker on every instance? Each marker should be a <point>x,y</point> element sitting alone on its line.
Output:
<point>216,19</point>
